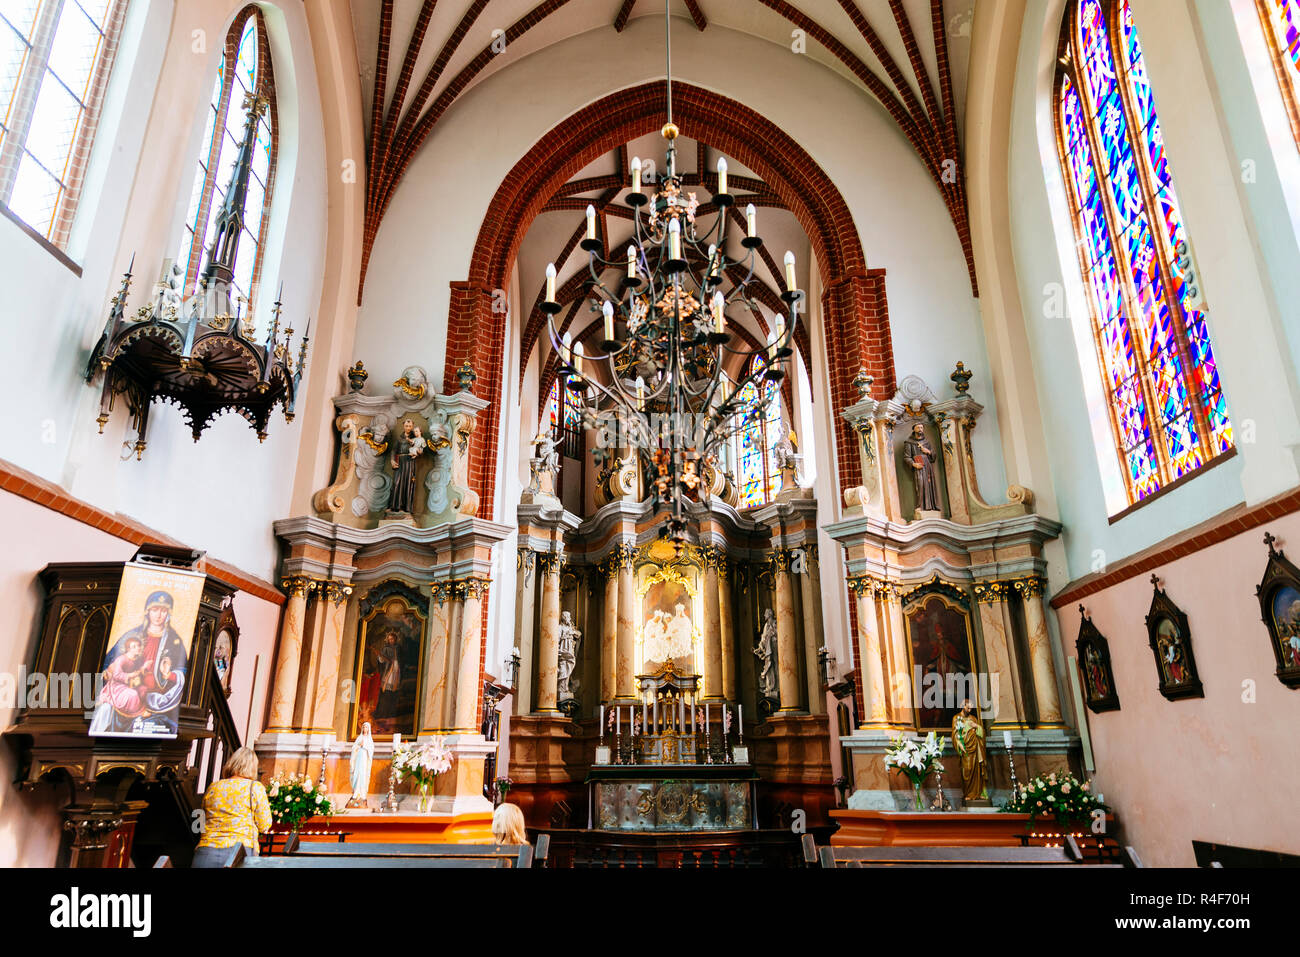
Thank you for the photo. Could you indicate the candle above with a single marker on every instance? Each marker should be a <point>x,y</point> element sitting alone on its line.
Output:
<point>692,719</point>
<point>674,240</point>
<point>714,259</point>
<point>608,310</point>
<point>636,174</point>
<point>706,717</point>
<point>722,175</point>
<point>1006,739</point>
<point>602,722</point>
<point>591,221</point>
<point>719,317</point>
<point>640,390</point>
<point>790,282</point>
<point>397,739</point>
<point>631,262</point>
<point>576,355</point>
<point>618,719</point>
<point>656,714</point>
<point>550,282</point>
<point>751,221</point>
<point>740,720</point>
<point>643,716</point>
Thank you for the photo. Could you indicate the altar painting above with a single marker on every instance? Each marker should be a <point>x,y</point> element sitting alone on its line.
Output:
<point>669,626</point>
<point>388,669</point>
<point>939,630</point>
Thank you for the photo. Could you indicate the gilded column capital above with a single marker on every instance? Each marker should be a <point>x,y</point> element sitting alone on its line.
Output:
<point>334,591</point>
<point>780,560</point>
<point>549,563</point>
<point>1030,587</point>
<point>862,585</point>
<point>991,592</point>
<point>298,586</point>
<point>463,588</point>
<point>441,591</point>
<point>620,556</point>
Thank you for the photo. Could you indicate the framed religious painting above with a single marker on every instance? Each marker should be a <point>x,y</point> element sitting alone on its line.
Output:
<point>147,665</point>
<point>669,625</point>
<point>942,655</point>
<point>390,659</point>
<point>1171,643</point>
<point>225,645</point>
<point>1093,653</point>
<point>1279,605</point>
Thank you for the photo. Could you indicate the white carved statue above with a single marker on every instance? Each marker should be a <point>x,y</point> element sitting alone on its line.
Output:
<point>363,753</point>
<point>766,653</point>
<point>570,639</point>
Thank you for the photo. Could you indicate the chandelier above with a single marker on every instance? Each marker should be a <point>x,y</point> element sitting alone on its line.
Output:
<point>665,339</point>
<point>200,353</point>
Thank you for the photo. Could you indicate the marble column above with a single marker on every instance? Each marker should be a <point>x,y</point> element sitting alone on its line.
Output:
<point>548,642</point>
<point>991,599</point>
<point>525,614</point>
<point>786,642</point>
<point>871,668</point>
<point>626,624</point>
<point>729,690</point>
<point>609,636</point>
<point>899,663</point>
<point>332,610</point>
<point>712,629</point>
<point>813,637</point>
<point>437,662</point>
<point>284,692</point>
<point>1040,652</point>
<point>468,674</point>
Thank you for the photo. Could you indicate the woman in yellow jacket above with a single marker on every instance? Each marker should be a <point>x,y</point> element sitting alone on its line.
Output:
<point>235,810</point>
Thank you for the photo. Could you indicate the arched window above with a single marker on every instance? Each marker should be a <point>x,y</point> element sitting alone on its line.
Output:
<point>1282,29</point>
<point>245,70</point>
<point>55,59</point>
<point>757,475</point>
<point>1167,411</point>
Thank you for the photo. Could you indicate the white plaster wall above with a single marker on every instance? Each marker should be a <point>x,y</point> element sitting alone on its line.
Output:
<point>428,235</point>
<point>1254,360</point>
<point>142,169</point>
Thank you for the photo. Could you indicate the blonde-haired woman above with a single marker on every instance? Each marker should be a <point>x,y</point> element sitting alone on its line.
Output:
<point>235,810</point>
<point>508,825</point>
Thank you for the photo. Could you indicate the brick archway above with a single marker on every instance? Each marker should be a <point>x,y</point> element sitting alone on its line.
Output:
<point>853,301</point>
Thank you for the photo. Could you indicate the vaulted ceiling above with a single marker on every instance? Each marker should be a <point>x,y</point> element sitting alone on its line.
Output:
<point>909,57</point>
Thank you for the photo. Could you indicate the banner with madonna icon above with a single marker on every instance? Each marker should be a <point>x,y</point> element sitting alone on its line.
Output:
<point>148,658</point>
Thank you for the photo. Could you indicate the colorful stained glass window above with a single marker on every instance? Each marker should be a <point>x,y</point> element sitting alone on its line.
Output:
<point>1282,26</point>
<point>551,411</point>
<point>55,57</point>
<point>245,69</point>
<point>1168,412</point>
<point>757,476</point>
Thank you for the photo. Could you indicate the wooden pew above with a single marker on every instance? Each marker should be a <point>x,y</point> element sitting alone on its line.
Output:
<point>281,861</point>
<point>832,857</point>
<point>514,855</point>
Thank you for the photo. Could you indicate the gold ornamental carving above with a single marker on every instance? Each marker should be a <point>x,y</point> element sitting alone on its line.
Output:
<point>298,586</point>
<point>990,592</point>
<point>1030,587</point>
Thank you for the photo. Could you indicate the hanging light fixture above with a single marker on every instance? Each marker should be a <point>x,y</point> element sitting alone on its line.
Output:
<point>665,337</point>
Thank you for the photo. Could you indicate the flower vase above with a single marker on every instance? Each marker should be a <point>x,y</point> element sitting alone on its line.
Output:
<point>424,798</point>
<point>917,789</point>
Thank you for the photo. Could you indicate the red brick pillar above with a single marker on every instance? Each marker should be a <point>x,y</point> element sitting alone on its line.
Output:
<point>476,334</point>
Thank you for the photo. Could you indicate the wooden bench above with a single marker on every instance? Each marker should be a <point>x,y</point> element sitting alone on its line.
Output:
<point>890,856</point>
<point>390,861</point>
<point>514,855</point>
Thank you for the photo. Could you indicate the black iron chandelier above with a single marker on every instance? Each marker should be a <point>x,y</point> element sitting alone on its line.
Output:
<point>199,352</point>
<point>665,339</point>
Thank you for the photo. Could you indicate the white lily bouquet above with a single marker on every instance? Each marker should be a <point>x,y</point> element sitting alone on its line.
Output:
<point>422,763</point>
<point>916,759</point>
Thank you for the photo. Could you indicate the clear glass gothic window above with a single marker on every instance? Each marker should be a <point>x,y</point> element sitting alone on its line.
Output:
<point>757,475</point>
<point>1168,414</point>
<point>1282,30</point>
<point>55,60</point>
<point>245,69</point>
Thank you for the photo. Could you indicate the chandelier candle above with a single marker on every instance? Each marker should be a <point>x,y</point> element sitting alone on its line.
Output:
<point>636,174</point>
<point>722,175</point>
<point>751,221</point>
<point>591,221</point>
<point>550,282</point>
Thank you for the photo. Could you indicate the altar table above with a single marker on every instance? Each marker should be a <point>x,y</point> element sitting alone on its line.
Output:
<point>702,797</point>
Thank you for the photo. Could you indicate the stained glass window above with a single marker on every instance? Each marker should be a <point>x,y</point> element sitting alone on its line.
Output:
<point>1167,409</point>
<point>55,58</point>
<point>757,475</point>
<point>551,411</point>
<point>245,68</point>
<point>1282,29</point>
